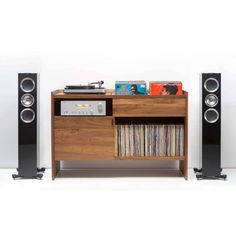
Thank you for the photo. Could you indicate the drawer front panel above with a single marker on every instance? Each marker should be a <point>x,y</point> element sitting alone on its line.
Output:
<point>149,107</point>
<point>83,138</point>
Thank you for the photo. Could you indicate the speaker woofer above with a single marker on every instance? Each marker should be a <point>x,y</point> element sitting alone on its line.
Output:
<point>27,100</point>
<point>27,115</point>
<point>211,116</point>
<point>211,100</point>
<point>27,85</point>
<point>211,85</point>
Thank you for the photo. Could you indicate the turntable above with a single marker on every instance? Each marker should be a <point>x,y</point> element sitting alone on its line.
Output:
<point>87,89</point>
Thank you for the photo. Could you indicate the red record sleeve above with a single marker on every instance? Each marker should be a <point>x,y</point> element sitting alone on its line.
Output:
<point>165,88</point>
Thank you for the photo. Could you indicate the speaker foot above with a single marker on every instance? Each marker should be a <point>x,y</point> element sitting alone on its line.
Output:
<point>41,170</point>
<point>39,176</point>
<point>218,177</point>
<point>14,177</point>
<point>196,170</point>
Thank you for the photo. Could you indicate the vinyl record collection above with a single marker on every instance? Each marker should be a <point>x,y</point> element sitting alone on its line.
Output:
<point>150,140</point>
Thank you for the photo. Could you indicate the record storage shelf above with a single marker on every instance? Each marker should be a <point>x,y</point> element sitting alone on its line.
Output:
<point>94,137</point>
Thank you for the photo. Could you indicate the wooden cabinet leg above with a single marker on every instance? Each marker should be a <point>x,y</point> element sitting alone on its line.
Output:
<point>55,168</point>
<point>183,166</point>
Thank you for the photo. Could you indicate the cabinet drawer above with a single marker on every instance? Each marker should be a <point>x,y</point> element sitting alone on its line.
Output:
<point>83,138</point>
<point>147,107</point>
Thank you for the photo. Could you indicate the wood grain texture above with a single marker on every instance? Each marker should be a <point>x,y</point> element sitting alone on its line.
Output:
<point>52,139</point>
<point>57,94</point>
<point>149,107</point>
<point>183,165</point>
<point>90,122</point>
<point>94,138</point>
<point>84,138</point>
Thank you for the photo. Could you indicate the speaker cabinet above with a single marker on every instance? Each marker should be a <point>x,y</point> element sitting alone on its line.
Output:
<point>27,126</point>
<point>210,84</point>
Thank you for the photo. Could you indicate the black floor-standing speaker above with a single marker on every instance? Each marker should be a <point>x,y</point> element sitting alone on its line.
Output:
<point>210,110</point>
<point>28,127</point>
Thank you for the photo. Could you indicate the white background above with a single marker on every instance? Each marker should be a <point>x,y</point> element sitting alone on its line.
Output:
<point>73,42</point>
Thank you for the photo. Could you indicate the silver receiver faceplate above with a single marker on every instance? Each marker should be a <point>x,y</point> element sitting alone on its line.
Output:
<point>83,108</point>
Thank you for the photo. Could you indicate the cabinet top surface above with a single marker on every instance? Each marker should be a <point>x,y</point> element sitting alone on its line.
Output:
<point>110,93</point>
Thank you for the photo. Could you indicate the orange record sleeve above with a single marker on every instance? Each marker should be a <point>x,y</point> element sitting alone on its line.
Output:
<point>165,88</point>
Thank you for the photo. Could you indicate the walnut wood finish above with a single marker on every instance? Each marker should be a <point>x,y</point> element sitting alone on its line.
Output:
<point>93,138</point>
<point>150,107</point>
<point>83,138</point>
<point>183,165</point>
<point>110,94</point>
<point>55,164</point>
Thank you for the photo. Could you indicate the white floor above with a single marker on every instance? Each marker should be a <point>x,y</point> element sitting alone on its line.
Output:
<point>98,204</point>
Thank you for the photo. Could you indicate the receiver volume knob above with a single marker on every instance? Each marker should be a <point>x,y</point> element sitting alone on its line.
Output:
<point>100,107</point>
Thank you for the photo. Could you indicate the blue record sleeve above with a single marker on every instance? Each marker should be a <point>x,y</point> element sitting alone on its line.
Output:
<point>130,88</point>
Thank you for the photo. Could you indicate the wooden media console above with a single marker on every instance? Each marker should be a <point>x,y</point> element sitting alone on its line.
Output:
<point>129,121</point>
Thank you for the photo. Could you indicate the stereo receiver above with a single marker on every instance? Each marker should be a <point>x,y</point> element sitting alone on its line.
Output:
<point>83,108</point>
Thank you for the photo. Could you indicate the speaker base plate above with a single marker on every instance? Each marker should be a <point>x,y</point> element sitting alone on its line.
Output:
<point>219,177</point>
<point>38,176</point>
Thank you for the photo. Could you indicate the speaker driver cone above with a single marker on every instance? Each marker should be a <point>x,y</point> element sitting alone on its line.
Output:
<point>27,115</point>
<point>211,100</point>
<point>27,85</point>
<point>27,100</point>
<point>211,115</point>
<point>211,85</point>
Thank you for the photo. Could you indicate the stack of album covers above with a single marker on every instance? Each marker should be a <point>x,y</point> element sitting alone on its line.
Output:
<point>150,140</point>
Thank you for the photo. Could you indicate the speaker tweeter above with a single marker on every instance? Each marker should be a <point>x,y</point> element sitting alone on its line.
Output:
<point>211,100</point>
